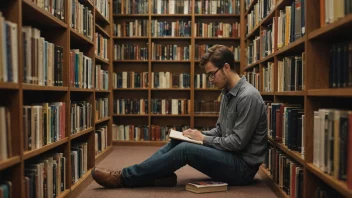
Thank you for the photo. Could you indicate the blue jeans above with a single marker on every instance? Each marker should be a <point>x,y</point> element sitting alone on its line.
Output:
<point>219,165</point>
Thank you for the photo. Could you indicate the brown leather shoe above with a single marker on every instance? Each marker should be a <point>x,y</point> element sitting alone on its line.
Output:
<point>107,178</point>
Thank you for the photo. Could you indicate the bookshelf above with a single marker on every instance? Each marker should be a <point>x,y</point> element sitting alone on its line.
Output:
<point>32,87</point>
<point>316,93</point>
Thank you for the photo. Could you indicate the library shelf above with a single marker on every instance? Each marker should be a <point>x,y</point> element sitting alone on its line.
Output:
<point>83,132</point>
<point>338,92</point>
<point>292,154</point>
<point>171,38</point>
<point>265,175</point>
<point>329,30</point>
<point>87,3</point>
<point>4,164</point>
<point>253,65</point>
<point>267,58</point>
<point>64,194</point>
<point>338,185</point>
<point>101,60</point>
<point>295,46</point>
<point>9,85</point>
<point>251,5</point>
<point>100,17</point>
<point>216,15</point>
<point>290,93</point>
<point>268,17</point>
<point>35,152</point>
<point>217,38</point>
<point>171,61</point>
<point>130,15</point>
<point>170,89</point>
<point>130,89</point>
<point>81,184</point>
<point>131,38</point>
<point>267,93</point>
<point>206,115</point>
<point>138,143</point>
<point>171,15</point>
<point>101,30</point>
<point>100,156</point>
<point>79,38</point>
<point>130,61</point>
<point>102,91</point>
<point>170,115</point>
<point>29,87</point>
<point>254,30</point>
<point>102,120</point>
<point>80,89</point>
<point>32,12</point>
<point>130,115</point>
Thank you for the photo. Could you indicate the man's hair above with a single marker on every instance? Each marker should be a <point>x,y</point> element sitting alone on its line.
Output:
<point>218,55</point>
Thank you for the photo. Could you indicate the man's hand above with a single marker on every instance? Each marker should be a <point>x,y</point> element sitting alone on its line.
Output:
<point>193,134</point>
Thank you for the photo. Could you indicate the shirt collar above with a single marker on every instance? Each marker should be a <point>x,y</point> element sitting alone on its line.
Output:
<point>236,88</point>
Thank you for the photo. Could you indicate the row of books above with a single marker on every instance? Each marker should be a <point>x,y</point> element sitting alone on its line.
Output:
<point>217,29</point>
<point>267,41</point>
<point>101,139</point>
<point>143,132</point>
<point>81,113</point>
<point>131,106</point>
<point>286,125</point>
<point>81,70</point>
<point>291,73</point>
<point>130,52</point>
<point>8,51</point>
<point>253,77</point>
<point>130,6</point>
<point>45,176</point>
<point>131,28</point>
<point>101,78</point>
<point>79,160</point>
<point>340,67</point>
<point>170,106</point>
<point>130,79</point>
<point>332,10</point>
<point>56,8</point>
<point>268,77</point>
<point>253,50</point>
<point>286,172</point>
<point>5,133</point>
<point>178,28</point>
<point>81,19</point>
<point>201,81</point>
<point>260,10</point>
<point>43,124</point>
<point>206,107</point>
<point>171,6</point>
<point>217,6</point>
<point>332,134</point>
<point>43,61</point>
<point>103,6</point>
<point>171,52</point>
<point>101,108</point>
<point>170,80</point>
<point>101,46</point>
<point>201,49</point>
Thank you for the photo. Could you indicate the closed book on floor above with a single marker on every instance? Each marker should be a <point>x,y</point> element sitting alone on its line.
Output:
<point>206,186</point>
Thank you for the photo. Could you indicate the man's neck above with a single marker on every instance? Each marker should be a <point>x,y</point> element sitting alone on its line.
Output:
<point>234,78</point>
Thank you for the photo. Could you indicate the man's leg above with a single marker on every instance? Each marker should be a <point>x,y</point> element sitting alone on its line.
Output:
<point>219,165</point>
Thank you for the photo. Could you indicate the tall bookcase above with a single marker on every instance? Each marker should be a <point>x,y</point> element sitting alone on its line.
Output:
<point>316,92</point>
<point>58,30</point>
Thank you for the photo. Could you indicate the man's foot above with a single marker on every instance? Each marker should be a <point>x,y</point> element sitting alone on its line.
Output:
<point>107,178</point>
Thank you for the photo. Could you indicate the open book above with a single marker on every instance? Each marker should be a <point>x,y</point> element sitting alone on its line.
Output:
<point>179,136</point>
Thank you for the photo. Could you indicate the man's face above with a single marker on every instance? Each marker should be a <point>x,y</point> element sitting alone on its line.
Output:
<point>215,75</point>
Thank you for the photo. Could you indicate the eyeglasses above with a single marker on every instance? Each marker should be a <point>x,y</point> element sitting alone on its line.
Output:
<point>211,75</point>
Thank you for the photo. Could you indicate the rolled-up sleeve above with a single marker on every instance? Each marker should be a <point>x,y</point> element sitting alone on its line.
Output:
<point>248,115</point>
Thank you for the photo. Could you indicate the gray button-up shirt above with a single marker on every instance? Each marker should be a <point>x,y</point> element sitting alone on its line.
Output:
<point>242,124</point>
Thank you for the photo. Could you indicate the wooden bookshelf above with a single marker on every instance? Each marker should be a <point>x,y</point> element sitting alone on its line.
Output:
<point>316,43</point>
<point>266,176</point>
<point>16,95</point>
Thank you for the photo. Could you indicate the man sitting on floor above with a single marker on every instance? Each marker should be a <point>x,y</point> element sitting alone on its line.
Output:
<point>231,152</point>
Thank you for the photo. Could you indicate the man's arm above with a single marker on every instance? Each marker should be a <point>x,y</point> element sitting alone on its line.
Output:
<point>245,124</point>
<point>214,131</point>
